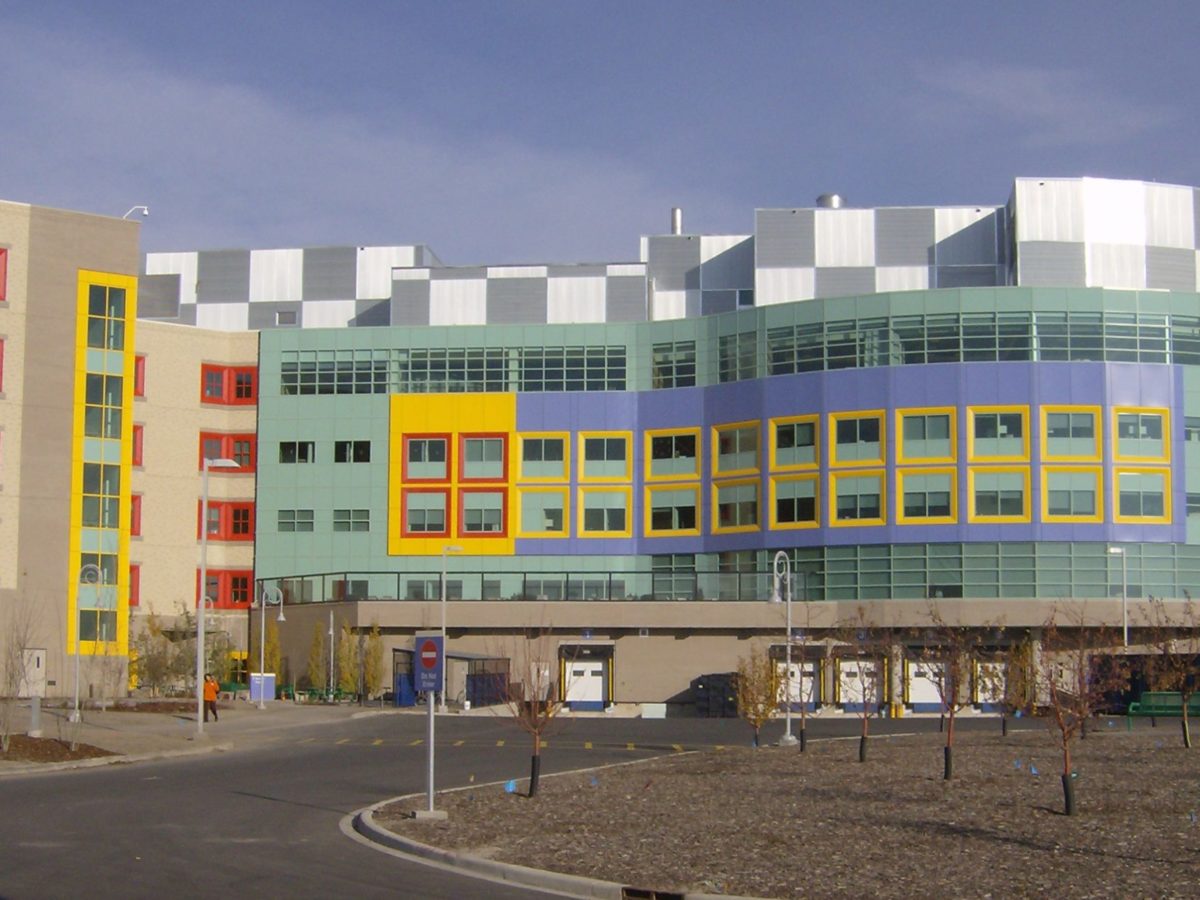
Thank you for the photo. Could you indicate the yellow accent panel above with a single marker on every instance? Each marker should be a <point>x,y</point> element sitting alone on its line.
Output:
<point>835,477</point>
<point>772,436</point>
<point>1097,432</point>
<point>1165,518</point>
<point>86,278</point>
<point>902,455</point>
<point>648,454</point>
<point>1098,493</point>
<point>901,474</point>
<point>1165,413</point>
<point>973,411</point>
<point>626,436</point>
<point>454,415</point>
<point>772,508</point>
<point>648,509</point>
<point>877,414</point>
<point>1027,501</point>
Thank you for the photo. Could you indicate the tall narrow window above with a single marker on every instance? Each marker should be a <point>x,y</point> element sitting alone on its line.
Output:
<point>139,376</point>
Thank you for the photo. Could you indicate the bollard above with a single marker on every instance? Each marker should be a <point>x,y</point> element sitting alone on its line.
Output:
<point>35,718</point>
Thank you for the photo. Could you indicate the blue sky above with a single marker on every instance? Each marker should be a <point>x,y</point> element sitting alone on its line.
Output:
<point>557,132</point>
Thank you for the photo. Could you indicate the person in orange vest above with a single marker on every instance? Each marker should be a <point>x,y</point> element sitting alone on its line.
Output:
<point>210,697</point>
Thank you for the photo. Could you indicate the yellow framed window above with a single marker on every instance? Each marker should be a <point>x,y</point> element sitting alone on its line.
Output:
<point>544,457</point>
<point>1072,494</point>
<point>927,496</point>
<point>795,442</point>
<point>927,435</point>
<point>605,512</point>
<point>999,494</point>
<point>857,438</point>
<point>543,512</point>
<point>737,446</point>
<point>735,506</point>
<point>1071,432</point>
<point>1142,495</point>
<point>673,455</point>
<point>673,510</point>
<point>795,502</point>
<point>857,498</point>
<point>1141,434</point>
<point>605,456</point>
<point>998,433</point>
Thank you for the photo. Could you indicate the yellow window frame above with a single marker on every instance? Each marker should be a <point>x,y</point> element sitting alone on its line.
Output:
<point>973,411</point>
<point>774,523</point>
<point>626,490</point>
<point>973,471</point>
<point>648,443</point>
<point>1044,414</point>
<point>564,492</point>
<point>564,436</point>
<point>835,418</point>
<point>927,520</point>
<point>773,459</point>
<point>1047,471</point>
<point>902,414</point>
<point>1165,518</point>
<point>716,516</point>
<point>1142,410</point>
<point>717,431</point>
<point>835,477</point>
<point>626,436</point>
<point>648,510</point>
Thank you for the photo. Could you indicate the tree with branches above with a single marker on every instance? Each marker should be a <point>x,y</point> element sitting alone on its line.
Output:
<point>865,647</point>
<point>1007,680</point>
<point>535,702</point>
<point>153,659</point>
<point>758,690</point>
<point>1175,640</point>
<point>16,640</point>
<point>1076,669</point>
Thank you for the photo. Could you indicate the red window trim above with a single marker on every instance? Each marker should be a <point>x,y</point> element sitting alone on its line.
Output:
<point>135,584</point>
<point>135,515</point>
<point>228,381</point>
<point>462,456</point>
<point>139,439</point>
<point>404,474</point>
<point>139,375</point>
<point>497,489</point>
<point>226,449</point>
<point>445,492</point>
<point>225,515</point>
<point>225,588</point>
<point>3,274</point>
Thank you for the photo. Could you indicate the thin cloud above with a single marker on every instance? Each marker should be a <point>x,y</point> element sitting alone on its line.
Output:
<point>1050,107</point>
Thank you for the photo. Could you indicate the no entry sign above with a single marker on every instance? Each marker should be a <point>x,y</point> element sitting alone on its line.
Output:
<point>429,662</point>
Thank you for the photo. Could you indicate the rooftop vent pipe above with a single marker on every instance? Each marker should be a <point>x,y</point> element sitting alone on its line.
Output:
<point>676,220</point>
<point>830,201</point>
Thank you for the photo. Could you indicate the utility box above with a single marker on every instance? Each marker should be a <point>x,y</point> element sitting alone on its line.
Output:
<point>262,686</point>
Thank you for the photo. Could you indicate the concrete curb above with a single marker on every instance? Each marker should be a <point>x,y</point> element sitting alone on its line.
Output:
<point>15,769</point>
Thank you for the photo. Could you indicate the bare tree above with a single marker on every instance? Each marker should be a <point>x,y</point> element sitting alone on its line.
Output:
<point>758,690</point>
<point>153,656</point>
<point>1076,670</point>
<point>1007,680</point>
<point>16,640</point>
<point>1172,666</point>
<point>534,703</point>
<point>949,652</point>
<point>864,649</point>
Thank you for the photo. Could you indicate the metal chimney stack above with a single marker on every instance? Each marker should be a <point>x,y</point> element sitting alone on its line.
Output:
<point>676,220</point>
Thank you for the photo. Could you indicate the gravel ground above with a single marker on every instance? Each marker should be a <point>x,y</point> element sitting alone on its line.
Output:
<point>777,823</point>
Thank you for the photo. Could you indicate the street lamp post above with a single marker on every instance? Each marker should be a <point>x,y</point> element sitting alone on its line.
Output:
<point>450,548</point>
<point>89,573</point>
<point>202,605</point>
<point>262,638</point>
<point>1120,551</point>
<point>783,591</point>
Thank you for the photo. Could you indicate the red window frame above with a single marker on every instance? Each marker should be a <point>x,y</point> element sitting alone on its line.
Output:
<point>135,515</point>
<point>237,385</point>
<point>233,588</point>
<point>503,492</point>
<point>139,375</point>
<point>135,584</point>
<point>227,513</point>
<point>139,437</point>
<point>404,530</point>
<point>462,456</point>
<point>3,274</point>
<point>225,449</point>
<point>404,473</point>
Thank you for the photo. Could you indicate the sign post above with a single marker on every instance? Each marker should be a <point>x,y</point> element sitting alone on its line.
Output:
<point>430,665</point>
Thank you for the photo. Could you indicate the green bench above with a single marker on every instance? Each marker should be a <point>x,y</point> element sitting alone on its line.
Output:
<point>1164,703</point>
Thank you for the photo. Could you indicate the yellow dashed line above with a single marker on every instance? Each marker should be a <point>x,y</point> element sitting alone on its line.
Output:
<point>417,743</point>
<point>545,743</point>
<point>344,741</point>
<point>499,743</point>
<point>376,742</point>
<point>459,743</point>
<point>720,747</point>
<point>587,745</point>
<point>677,748</point>
<point>307,740</point>
<point>629,746</point>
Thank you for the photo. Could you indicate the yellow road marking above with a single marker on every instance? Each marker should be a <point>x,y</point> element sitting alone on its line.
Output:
<point>587,745</point>
<point>376,742</point>
<point>344,741</point>
<point>629,746</point>
<point>307,740</point>
<point>499,743</point>
<point>720,746</point>
<point>677,748</point>
<point>459,743</point>
<point>545,743</point>
<point>417,743</point>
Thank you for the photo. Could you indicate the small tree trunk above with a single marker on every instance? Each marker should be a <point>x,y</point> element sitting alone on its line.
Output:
<point>535,764</point>
<point>755,743</point>
<point>862,749</point>
<point>1003,725</point>
<point>1187,735</point>
<point>1083,729</point>
<point>803,738</point>
<point>948,763</point>
<point>1068,784</point>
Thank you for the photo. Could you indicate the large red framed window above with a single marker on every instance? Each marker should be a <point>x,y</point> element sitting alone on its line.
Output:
<point>426,457</point>
<point>241,448</point>
<point>228,385</point>
<point>228,520</point>
<point>227,588</point>
<point>482,457</point>
<point>483,512</point>
<point>425,512</point>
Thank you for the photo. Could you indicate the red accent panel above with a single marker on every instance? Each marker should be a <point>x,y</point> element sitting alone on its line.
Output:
<point>405,476</point>
<point>135,515</point>
<point>139,376</point>
<point>138,439</point>
<point>404,512</point>
<point>135,584</point>
<point>462,456</point>
<point>3,273</point>
<point>503,492</point>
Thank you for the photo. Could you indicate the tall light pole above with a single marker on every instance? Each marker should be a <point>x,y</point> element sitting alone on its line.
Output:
<point>1120,551</point>
<point>783,591</point>
<point>262,638</point>
<point>449,548</point>
<point>202,605</point>
<point>89,573</point>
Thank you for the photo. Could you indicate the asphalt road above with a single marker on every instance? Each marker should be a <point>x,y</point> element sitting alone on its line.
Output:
<point>264,821</point>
